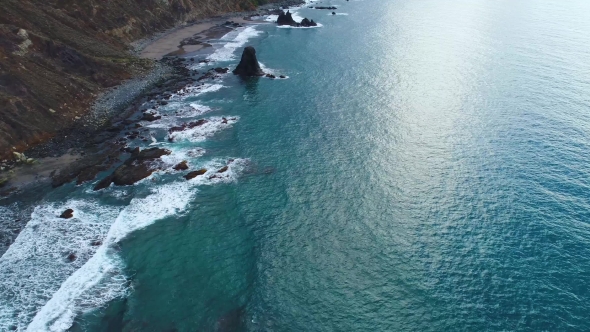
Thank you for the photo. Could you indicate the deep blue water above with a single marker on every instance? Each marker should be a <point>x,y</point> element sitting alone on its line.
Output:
<point>425,167</point>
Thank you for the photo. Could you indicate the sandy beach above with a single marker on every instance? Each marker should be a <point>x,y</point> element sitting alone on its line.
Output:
<point>170,43</point>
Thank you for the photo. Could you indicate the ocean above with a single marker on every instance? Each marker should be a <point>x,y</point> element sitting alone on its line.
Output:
<point>424,166</point>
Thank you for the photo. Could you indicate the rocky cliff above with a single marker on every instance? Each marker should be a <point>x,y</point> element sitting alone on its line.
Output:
<point>57,55</point>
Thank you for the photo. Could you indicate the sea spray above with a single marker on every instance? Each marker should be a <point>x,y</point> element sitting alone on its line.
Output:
<point>101,279</point>
<point>36,264</point>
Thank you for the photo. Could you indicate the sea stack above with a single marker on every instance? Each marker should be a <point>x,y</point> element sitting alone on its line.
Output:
<point>249,65</point>
<point>286,19</point>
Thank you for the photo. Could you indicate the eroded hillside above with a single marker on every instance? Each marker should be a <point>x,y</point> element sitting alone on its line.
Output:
<point>56,55</point>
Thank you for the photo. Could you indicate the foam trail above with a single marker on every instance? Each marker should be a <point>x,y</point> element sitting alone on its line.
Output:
<point>232,41</point>
<point>37,262</point>
<point>101,279</point>
<point>200,133</point>
<point>76,292</point>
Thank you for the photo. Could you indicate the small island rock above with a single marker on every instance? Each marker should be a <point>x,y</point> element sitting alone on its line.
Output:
<point>248,65</point>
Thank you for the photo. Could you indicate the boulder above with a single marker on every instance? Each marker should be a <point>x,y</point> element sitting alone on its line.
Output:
<point>181,166</point>
<point>150,117</point>
<point>223,169</point>
<point>307,23</point>
<point>188,125</point>
<point>248,65</point>
<point>194,174</point>
<point>136,168</point>
<point>67,214</point>
<point>128,174</point>
<point>221,70</point>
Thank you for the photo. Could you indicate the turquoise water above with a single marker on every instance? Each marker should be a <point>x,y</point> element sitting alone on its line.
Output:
<point>425,167</point>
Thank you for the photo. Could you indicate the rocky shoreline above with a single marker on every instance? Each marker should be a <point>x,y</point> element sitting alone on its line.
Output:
<point>97,141</point>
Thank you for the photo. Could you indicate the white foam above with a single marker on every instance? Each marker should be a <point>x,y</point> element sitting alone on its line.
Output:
<point>200,133</point>
<point>101,279</point>
<point>229,44</point>
<point>182,154</point>
<point>36,264</point>
<point>195,91</point>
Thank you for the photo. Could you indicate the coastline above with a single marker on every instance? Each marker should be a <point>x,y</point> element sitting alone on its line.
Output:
<point>95,139</point>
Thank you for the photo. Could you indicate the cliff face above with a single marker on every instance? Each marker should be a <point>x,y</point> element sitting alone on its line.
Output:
<point>56,55</point>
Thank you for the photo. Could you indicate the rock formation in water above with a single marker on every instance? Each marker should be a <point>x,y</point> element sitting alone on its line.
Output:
<point>308,23</point>
<point>137,167</point>
<point>67,214</point>
<point>248,65</point>
<point>287,19</point>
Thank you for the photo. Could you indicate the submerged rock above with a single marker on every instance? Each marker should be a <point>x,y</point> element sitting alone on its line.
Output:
<point>194,174</point>
<point>150,117</point>
<point>248,65</point>
<point>67,214</point>
<point>187,125</point>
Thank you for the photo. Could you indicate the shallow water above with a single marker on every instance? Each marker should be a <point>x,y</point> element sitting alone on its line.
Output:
<point>424,168</point>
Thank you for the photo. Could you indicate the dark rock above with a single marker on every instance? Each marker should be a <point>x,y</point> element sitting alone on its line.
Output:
<point>72,257</point>
<point>307,23</point>
<point>136,168</point>
<point>221,70</point>
<point>286,19</point>
<point>270,76</point>
<point>148,154</point>
<point>188,125</point>
<point>333,13</point>
<point>282,76</point>
<point>181,166</point>
<point>67,214</point>
<point>104,183</point>
<point>330,8</point>
<point>223,169</point>
<point>150,117</point>
<point>224,120</point>
<point>194,174</point>
<point>96,243</point>
<point>126,175</point>
<point>248,65</point>
<point>88,174</point>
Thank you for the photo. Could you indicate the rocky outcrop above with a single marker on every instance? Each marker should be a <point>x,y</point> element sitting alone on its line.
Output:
<point>248,65</point>
<point>137,167</point>
<point>56,56</point>
<point>308,23</point>
<point>285,18</point>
